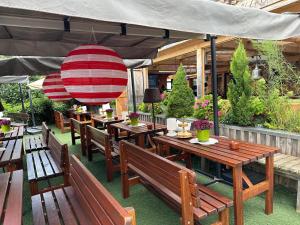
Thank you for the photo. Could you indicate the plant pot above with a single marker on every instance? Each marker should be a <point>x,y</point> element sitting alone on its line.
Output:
<point>5,128</point>
<point>203,135</point>
<point>134,121</point>
<point>109,115</point>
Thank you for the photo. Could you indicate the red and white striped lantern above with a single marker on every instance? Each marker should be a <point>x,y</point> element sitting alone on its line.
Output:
<point>94,74</point>
<point>54,89</point>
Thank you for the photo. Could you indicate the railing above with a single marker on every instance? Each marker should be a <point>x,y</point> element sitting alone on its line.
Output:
<point>287,142</point>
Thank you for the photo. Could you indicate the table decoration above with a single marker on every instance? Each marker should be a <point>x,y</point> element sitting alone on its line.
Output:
<point>5,125</point>
<point>184,133</point>
<point>109,113</point>
<point>211,141</point>
<point>202,128</point>
<point>134,118</point>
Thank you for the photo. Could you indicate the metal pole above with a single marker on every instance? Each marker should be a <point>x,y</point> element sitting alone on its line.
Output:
<point>214,83</point>
<point>31,106</point>
<point>22,97</point>
<point>133,89</point>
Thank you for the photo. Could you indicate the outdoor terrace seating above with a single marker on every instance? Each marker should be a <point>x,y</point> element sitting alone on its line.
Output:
<point>78,131</point>
<point>175,184</point>
<point>85,202</point>
<point>37,142</point>
<point>46,164</point>
<point>61,122</point>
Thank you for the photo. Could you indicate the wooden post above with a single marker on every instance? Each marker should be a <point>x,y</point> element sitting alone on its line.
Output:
<point>298,197</point>
<point>186,199</point>
<point>270,180</point>
<point>200,58</point>
<point>238,195</point>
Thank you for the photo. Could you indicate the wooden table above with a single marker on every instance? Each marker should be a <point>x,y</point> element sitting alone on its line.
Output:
<point>18,132</point>
<point>221,153</point>
<point>81,116</point>
<point>11,154</point>
<point>11,198</point>
<point>138,132</point>
<point>104,122</point>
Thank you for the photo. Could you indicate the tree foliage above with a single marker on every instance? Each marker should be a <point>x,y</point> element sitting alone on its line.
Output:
<point>181,99</point>
<point>240,89</point>
<point>281,73</point>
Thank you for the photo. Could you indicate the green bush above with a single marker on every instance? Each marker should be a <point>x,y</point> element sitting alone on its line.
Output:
<point>147,108</point>
<point>181,99</point>
<point>240,90</point>
<point>42,107</point>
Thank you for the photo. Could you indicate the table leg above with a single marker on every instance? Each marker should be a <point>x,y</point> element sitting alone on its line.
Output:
<point>140,139</point>
<point>238,195</point>
<point>270,180</point>
<point>116,134</point>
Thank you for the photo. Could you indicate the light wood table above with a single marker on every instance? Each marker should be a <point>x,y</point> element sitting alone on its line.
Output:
<point>221,153</point>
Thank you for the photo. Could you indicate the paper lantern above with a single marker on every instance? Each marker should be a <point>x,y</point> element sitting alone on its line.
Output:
<point>94,74</point>
<point>54,89</point>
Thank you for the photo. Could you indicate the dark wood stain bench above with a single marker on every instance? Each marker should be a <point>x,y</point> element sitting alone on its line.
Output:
<point>11,198</point>
<point>37,142</point>
<point>100,141</point>
<point>61,122</point>
<point>45,164</point>
<point>173,183</point>
<point>85,202</point>
<point>78,131</point>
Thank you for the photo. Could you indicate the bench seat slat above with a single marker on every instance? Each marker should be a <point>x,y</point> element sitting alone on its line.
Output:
<point>64,207</point>
<point>14,210</point>
<point>51,209</point>
<point>38,165</point>
<point>37,210</point>
<point>3,190</point>
<point>46,163</point>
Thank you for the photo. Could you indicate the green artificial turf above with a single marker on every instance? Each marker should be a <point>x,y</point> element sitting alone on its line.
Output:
<point>150,210</point>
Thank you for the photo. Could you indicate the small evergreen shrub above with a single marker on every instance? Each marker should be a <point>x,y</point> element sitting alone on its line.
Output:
<point>240,90</point>
<point>181,99</point>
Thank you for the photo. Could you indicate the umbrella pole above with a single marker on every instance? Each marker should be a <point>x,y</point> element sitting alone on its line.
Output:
<point>133,89</point>
<point>31,106</point>
<point>214,84</point>
<point>22,97</point>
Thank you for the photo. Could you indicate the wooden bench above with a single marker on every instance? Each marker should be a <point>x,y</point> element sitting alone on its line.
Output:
<point>173,183</point>
<point>100,141</point>
<point>19,119</point>
<point>61,122</point>
<point>37,142</point>
<point>78,131</point>
<point>287,166</point>
<point>46,164</point>
<point>11,198</point>
<point>85,202</point>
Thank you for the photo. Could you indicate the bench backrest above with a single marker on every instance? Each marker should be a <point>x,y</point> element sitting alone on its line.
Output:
<point>59,152</point>
<point>99,137</point>
<point>58,117</point>
<point>19,117</point>
<point>45,132</point>
<point>97,202</point>
<point>76,126</point>
<point>175,182</point>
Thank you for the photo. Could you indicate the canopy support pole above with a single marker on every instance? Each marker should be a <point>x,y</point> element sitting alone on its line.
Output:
<point>133,89</point>
<point>31,106</point>
<point>22,97</point>
<point>214,83</point>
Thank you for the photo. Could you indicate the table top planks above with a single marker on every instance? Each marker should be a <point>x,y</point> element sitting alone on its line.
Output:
<point>12,153</point>
<point>104,120</point>
<point>11,198</point>
<point>18,132</point>
<point>140,129</point>
<point>221,151</point>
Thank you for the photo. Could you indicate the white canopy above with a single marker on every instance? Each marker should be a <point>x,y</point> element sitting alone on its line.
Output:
<point>36,65</point>
<point>36,85</point>
<point>13,79</point>
<point>134,28</point>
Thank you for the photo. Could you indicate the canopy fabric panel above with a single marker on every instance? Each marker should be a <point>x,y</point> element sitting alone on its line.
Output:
<point>13,79</point>
<point>36,85</point>
<point>134,28</point>
<point>33,65</point>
